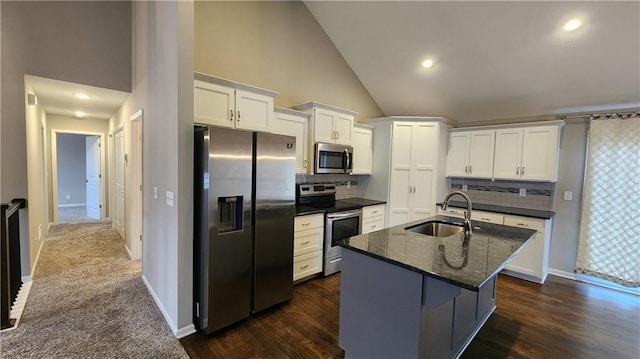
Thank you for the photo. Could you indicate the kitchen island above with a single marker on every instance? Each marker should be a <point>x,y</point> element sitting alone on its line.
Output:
<point>409,295</point>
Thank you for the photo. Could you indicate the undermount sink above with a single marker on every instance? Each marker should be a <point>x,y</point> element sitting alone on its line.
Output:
<point>436,229</point>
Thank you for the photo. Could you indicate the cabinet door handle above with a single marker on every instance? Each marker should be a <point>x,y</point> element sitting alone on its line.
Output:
<point>466,169</point>
<point>522,171</point>
<point>305,164</point>
<point>304,243</point>
<point>374,212</point>
<point>231,117</point>
<point>238,115</point>
<point>304,266</point>
<point>306,224</point>
<point>518,170</point>
<point>523,224</point>
<point>469,169</point>
<point>374,226</point>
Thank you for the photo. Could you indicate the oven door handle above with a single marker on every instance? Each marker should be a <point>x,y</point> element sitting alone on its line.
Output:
<point>343,215</point>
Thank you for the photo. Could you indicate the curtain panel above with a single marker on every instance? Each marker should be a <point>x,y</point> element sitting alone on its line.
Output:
<point>609,242</point>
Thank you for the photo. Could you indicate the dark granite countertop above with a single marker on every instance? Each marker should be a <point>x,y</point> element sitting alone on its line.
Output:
<point>363,201</point>
<point>524,212</point>
<point>304,210</point>
<point>466,263</point>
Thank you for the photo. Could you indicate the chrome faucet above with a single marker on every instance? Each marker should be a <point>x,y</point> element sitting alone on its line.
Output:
<point>467,213</point>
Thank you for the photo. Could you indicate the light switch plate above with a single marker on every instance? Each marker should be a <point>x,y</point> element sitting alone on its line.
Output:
<point>568,195</point>
<point>523,192</point>
<point>155,192</point>
<point>170,198</point>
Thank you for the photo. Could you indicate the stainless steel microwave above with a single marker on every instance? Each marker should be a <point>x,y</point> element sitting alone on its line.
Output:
<point>331,158</point>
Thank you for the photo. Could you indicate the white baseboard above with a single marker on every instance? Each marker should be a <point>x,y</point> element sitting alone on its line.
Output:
<point>164,312</point>
<point>26,278</point>
<point>563,274</point>
<point>184,331</point>
<point>72,205</point>
<point>33,268</point>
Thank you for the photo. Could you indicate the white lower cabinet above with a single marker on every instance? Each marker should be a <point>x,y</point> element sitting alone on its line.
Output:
<point>308,239</point>
<point>372,218</point>
<point>532,263</point>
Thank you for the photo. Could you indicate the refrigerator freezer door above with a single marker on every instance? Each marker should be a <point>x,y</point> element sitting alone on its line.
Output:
<point>229,231</point>
<point>274,203</point>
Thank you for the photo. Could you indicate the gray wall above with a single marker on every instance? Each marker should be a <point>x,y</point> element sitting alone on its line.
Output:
<point>71,158</point>
<point>566,223</point>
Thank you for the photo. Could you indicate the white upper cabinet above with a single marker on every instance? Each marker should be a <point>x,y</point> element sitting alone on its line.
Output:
<point>213,104</point>
<point>524,151</point>
<point>329,124</point>
<point>362,142</point>
<point>225,103</point>
<point>293,123</point>
<point>471,154</point>
<point>529,153</point>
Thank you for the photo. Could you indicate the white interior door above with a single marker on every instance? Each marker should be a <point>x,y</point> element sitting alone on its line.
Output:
<point>119,214</point>
<point>93,177</point>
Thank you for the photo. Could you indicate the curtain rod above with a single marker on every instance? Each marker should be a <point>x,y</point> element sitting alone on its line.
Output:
<point>604,116</point>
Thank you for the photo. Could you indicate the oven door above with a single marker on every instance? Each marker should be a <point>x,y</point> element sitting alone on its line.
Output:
<point>331,158</point>
<point>339,225</point>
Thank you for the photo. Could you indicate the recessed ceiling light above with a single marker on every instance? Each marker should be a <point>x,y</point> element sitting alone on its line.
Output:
<point>82,96</point>
<point>427,63</point>
<point>572,24</point>
<point>80,114</point>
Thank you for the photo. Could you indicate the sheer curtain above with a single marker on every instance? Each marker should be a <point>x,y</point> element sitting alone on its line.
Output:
<point>609,244</point>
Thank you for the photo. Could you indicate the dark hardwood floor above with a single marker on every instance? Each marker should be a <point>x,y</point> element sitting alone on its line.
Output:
<point>560,319</point>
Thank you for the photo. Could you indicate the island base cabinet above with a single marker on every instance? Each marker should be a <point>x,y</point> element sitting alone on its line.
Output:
<point>387,311</point>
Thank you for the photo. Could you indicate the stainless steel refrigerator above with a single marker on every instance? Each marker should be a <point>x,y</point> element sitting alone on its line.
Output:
<point>244,202</point>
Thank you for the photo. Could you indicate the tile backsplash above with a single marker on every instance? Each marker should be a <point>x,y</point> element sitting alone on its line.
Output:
<point>539,195</point>
<point>346,185</point>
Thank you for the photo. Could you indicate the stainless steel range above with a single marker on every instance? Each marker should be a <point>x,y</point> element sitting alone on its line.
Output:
<point>342,220</point>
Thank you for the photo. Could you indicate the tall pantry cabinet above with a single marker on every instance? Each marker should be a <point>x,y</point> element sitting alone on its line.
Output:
<point>408,166</point>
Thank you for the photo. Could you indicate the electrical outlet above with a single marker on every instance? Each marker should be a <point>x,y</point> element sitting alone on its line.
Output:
<point>68,196</point>
<point>465,188</point>
<point>568,195</point>
<point>523,192</point>
<point>155,192</point>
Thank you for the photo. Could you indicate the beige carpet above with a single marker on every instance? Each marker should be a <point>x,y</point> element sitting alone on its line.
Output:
<point>88,301</point>
<point>75,214</point>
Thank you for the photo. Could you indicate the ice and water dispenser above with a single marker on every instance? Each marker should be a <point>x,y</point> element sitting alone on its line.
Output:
<point>230,214</point>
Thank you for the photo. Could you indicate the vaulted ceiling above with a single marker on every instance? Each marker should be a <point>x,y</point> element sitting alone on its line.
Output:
<point>492,60</point>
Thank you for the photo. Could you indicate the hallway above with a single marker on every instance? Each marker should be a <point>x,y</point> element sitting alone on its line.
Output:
<point>88,301</point>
